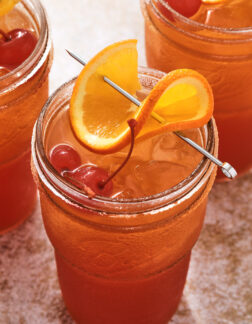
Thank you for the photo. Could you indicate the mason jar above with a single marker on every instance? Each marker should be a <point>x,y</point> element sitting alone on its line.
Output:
<point>224,57</point>
<point>120,261</point>
<point>23,92</point>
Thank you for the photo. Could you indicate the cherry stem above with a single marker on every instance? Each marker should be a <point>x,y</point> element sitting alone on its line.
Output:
<point>67,174</point>
<point>132,124</point>
<point>5,36</point>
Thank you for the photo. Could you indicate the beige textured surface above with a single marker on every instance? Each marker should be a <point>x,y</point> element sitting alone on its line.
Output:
<point>218,288</point>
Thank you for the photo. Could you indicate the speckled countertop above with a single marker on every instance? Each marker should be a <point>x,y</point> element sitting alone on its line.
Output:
<point>219,284</point>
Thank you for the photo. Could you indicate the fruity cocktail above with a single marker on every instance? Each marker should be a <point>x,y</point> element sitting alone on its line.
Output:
<point>123,239</point>
<point>215,38</point>
<point>24,66</point>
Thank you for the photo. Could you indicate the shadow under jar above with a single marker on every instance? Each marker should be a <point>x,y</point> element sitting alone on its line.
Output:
<point>224,57</point>
<point>120,260</point>
<point>23,92</point>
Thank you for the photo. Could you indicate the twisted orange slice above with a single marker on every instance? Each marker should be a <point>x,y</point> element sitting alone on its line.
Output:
<point>181,100</point>
<point>6,6</point>
<point>99,114</point>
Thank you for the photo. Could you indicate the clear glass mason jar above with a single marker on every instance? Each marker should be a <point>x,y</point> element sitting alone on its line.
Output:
<point>224,57</point>
<point>23,93</point>
<point>121,261</point>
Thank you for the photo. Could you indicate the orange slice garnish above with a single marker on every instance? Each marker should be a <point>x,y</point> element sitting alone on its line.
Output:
<point>6,6</point>
<point>181,100</point>
<point>98,113</point>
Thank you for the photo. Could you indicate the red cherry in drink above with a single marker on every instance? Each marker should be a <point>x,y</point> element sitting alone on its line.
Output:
<point>64,158</point>
<point>94,178</point>
<point>186,8</point>
<point>15,47</point>
<point>97,180</point>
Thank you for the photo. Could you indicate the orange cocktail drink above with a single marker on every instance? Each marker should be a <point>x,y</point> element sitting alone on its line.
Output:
<point>25,62</point>
<point>216,41</point>
<point>123,258</point>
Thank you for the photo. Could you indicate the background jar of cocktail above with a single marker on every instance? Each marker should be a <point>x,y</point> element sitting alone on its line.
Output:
<point>23,92</point>
<point>224,57</point>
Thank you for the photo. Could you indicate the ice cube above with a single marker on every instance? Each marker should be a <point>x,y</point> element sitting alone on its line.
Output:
<point>229,14</point>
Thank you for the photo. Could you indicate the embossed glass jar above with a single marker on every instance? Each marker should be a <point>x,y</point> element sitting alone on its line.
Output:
<point>121,261</point>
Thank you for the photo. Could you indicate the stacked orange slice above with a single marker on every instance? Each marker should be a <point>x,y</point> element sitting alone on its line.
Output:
<point>182,99</point>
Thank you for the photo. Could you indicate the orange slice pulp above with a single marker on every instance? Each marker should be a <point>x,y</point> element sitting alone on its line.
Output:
<point>6,6</point>
<point>98,113</point>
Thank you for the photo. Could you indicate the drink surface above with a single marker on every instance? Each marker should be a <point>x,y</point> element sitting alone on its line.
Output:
<point>229,14</point>
<point>157,163</point>
<point>17,18</point>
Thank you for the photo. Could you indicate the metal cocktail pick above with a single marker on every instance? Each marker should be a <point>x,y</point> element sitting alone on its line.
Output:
<point>226,168</point>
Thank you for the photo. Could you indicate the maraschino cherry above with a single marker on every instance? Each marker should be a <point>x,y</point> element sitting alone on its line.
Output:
<point>92,179</point>
<point>64,158</point>
<point>15,47</point>
<point>186,8</point>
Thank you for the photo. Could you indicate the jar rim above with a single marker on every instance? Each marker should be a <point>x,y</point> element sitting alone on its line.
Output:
<point>35,61</point>
<point>224,30</point>
<point>61,187</point>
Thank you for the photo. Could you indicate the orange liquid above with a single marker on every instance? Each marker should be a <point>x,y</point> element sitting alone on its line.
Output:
<point>112,276</point>
<point>126,265</point>
<point>148,300</point>
<point>17,191</point>
<point>19,109</point>
<point>221,58</point>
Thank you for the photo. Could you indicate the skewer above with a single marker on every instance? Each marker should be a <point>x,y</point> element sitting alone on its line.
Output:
<point>226,168</point>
